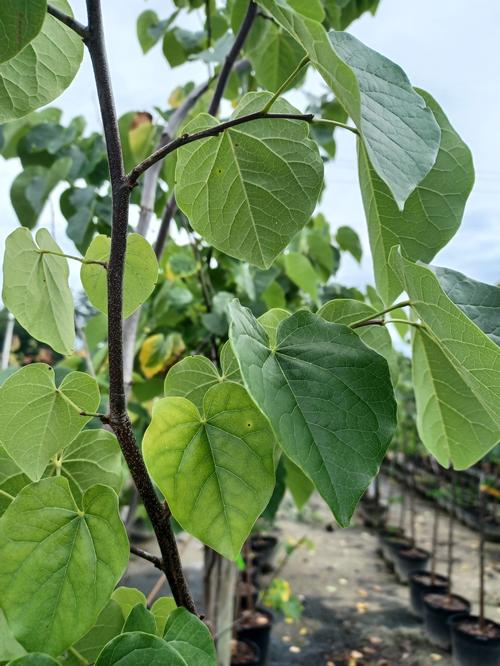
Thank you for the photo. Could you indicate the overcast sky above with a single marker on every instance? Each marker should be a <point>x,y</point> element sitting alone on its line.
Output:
<point>443,46</point>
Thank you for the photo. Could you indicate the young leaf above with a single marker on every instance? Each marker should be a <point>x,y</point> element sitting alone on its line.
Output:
<point>462,357</point>
<point>140,619</point>
<point>56,575</point>
<point>432,214</point>
<point>139,649</point>
<point>141,273</point>
<point>42,70</point>
<point>300,271</point>
<point>127,598</point>
<point>397,128</point>
<point>12,479</point>
<point>190,638</point>
<point>270,321</point>
<point>328,397</point>
<point>19,25</point>
<point>191,378</point>
<point>161,609</point>
<point>347,311</point>
<point>236,186</point>
<point>216,470</point>
<point>300,486</point>
<point>36,288</point>
<point>479,301</point>
<point>229,364</point>
<point>37,419</point>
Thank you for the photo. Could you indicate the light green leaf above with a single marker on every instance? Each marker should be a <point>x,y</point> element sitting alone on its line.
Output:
<point>328,397</point>
<point>190,638</point>
<point>139,649</point>
<point>161,609</point>
<point>347,311</point>
<point>147,21</point>
<point>191,378</point>
<point>397,128</point>
<point>300,271</point>
<point>140,619</point>
<point>94,456</point>
<point>235,187</point>
<point>342,13</point>
<point>459,375</point>
<point>300,486</point>
<point>221,460</point>
<point>127,598</point>
<point>348,240</point>
<point>270,321</point>
<point>12,479</point>
<point>141,273</point>
<point>42,70</point>
<point>479,301</point>
<point>19,24</point>
<point>37,420</point>
<point>48,549</point>
<point>108,625</point>
<point>432,214</point>
<point>30,190</point>
<point>9,647</point>
<point>36,290</point>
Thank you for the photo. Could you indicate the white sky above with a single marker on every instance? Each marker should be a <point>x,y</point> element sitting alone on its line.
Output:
<point>444,47</point>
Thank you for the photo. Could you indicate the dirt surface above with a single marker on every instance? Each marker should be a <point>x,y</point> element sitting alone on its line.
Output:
<point>355,612</point>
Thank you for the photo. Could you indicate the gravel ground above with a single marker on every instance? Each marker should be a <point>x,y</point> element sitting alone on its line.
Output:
<point>355,612</point>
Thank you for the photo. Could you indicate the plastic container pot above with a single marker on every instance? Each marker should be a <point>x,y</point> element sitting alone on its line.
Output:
<point>421,584</point>
<point>409,561</point>
<point>438,609</point>
<point>470,648</point>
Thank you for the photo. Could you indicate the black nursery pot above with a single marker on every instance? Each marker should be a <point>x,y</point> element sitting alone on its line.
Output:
<point>420,585</point>
<point>437,616</point>
<point>243,594</point>
<point>409,561</point>
<point>392,545</point>
<point>471,649</point>
<point>259,634</point>
<point>264,547</point>
<point>252,661</point>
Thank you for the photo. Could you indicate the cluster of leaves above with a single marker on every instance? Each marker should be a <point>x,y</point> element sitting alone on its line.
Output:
<point>300,380</point>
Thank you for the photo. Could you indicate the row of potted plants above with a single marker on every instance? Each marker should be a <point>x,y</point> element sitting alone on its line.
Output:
<point>447,620</point>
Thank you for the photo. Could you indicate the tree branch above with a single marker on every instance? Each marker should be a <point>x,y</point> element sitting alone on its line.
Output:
<point>72,23</point>
<point>183,140</point>
<point>157,561</point>
<point>231,57</point>
<point>118,419</point>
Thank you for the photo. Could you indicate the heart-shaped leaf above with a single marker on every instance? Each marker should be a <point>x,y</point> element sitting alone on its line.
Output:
<point>190,638</point>
<point>36,290</point>
<point>397,128</point>
<point>215,469</point>
<point>432,214</point>
<point>43,69</point>
<point>19,25</point>
<point>139,649</point>
<point>59,563</point>
<point>250,189</point>
<point>37,420</point>
<point>141,273</point>
<point>328,397</point>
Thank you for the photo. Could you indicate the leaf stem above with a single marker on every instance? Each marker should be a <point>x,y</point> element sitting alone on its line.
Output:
<point>79,656</point>
<point>4,493</point>
<point>140,552</point>
<point>69,21</point>
<point>376,315</point>
<point>104,264</point>
<point>335,123</point>
<point>303,63</point>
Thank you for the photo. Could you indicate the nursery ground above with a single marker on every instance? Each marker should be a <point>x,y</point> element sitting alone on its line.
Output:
<point>355,613</point>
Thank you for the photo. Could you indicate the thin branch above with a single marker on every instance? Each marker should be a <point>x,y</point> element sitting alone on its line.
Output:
<point>303,63</point>
<point>183,140</point>
<point>72,23</point>
<point>375,315</point>
<point>231,57</point>
<point>368,322</point>
<point>208,15</point>
<point>119,419</point>
<point>157,561</point>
